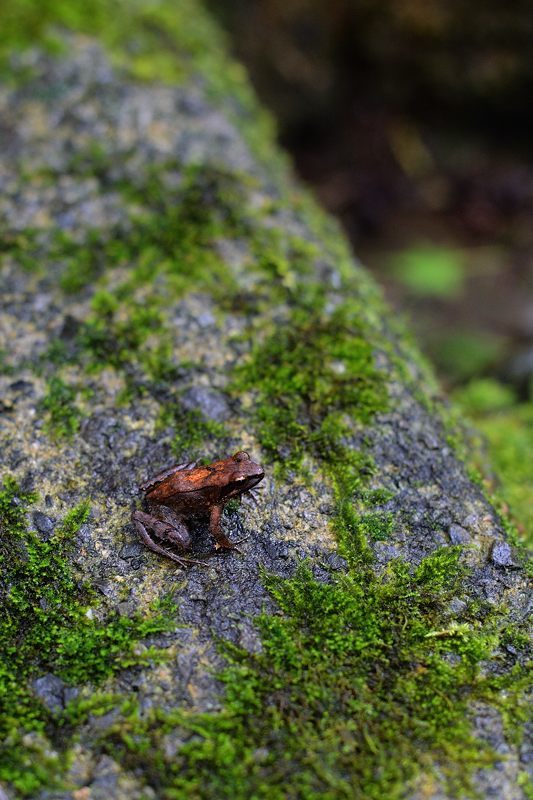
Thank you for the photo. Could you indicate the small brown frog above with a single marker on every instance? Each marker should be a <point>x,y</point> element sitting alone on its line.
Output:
<point>188,490</point>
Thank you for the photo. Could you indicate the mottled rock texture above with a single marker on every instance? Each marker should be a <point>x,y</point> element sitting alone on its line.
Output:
<point>162,282</point>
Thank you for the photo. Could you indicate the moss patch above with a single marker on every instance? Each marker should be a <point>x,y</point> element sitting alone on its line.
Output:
<point>362,684</point>
<point>161,41</point>
<point>192,431</point>
<point>507,428</point>
<point>62,414</point>
<point>311,377</point>
<point>45,627</point>
<point>364,680</point>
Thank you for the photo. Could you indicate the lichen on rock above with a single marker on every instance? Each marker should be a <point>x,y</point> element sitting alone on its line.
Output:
<point>166,294</point>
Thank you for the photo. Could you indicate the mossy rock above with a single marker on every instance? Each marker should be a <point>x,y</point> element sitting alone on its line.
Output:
<point>169,293</point>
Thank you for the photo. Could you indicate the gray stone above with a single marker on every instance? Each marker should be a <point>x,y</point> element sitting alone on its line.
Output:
<point>49,689</point>
<point>458,535</point>
<point>501,554</point>
<point>211,404</point>
<point>70,693</point>
<point>105,780</point>
<point>457,606</point>
<point>131,550</point>
<point>385,552</point>
<point>43,524</point>
<point>144,130</point>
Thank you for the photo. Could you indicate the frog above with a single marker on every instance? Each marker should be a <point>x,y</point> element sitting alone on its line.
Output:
<point>186,490</point>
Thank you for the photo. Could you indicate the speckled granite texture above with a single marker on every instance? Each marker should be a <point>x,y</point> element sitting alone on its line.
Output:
<point>72,114</point>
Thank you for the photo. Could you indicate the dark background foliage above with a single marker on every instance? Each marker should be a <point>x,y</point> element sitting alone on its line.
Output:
<point>412,121</point>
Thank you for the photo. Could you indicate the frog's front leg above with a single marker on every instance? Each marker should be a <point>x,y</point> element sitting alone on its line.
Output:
<point>216,531</point>
<point>176,533</point>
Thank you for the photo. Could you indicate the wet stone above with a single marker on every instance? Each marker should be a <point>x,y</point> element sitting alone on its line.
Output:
<point>131,550</point>
<point>335,562</point>
<point>457,606</point>
<point>385,552</point>
<point>44,524</point>
<point>501,554</point>
<point>82,100</point>
<point>458,535</point>
<point>276,549</point>
<point>526,750</point>
<point>102,723</point>
<point>70,693</point>
<point>50,691</point>
<point>211,404</point>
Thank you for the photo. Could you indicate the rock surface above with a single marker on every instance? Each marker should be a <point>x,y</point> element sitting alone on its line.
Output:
<point>82,144</point>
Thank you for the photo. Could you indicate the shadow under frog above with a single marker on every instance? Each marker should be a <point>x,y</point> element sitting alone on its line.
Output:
<point>187,490</point>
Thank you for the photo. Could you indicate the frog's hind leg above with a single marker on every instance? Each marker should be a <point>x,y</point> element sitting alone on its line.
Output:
<point>144,522</point>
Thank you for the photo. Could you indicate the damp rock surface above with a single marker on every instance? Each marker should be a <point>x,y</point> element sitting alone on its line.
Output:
<point>115,366</point>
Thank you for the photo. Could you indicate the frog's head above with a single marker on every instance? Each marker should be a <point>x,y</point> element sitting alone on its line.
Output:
<point>247,473</point>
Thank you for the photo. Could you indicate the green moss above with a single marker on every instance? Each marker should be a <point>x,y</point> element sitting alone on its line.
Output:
<point>63,416</point>
<point>24,246</point>
<point>173,232</point>
<point>377,526</point>
<point>362,683</point>
<point>178,230</point>
<point>6,368</point>
<point>162,41</point>
<point>46,626</point>
<point>311,376</point>
<point>191,431</point>
<point>507,428</point>
<point>115,338</point>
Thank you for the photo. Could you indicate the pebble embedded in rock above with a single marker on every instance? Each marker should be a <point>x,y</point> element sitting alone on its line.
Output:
<point>131,550</point>
<point>457,606</point>
<point>43,524</point>
<point>276,549</point>
<point>458,535</point>
<point>49,689</point>
<point>501,554</point>
<point>22,387</point>
<point>209,403</point>
<point>336,562</point>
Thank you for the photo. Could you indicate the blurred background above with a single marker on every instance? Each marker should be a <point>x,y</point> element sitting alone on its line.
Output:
<point>412,121</point>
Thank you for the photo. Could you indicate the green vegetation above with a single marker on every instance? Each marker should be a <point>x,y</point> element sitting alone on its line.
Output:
<point>462,354</point>
<point>362,683</point>
<point>48,625</point>
<point>171,231</point>
<point>507,428</point>
<point>192,431</point>
<point>63,416</point>
<point>364,680</point>
<point>164,41</point>
<point>177,232</point>
<point>311,377</point>
<point>430,271</point>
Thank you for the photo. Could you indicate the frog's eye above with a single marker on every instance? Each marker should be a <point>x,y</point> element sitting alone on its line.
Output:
<point>241,456</point>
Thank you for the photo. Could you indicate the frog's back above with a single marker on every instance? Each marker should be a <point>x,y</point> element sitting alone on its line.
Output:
<point>171,485</point>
